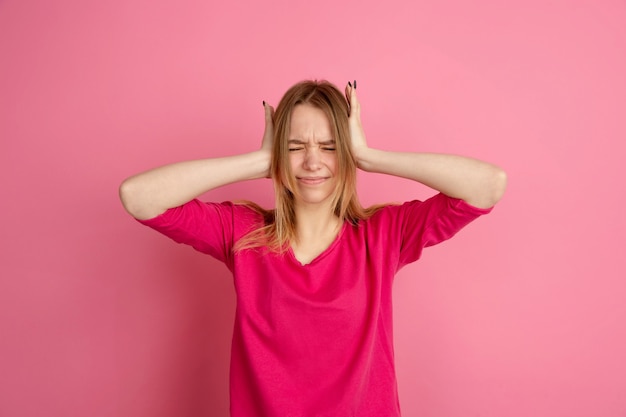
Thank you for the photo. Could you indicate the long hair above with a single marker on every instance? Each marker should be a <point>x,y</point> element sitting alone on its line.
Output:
<point>280,224</point>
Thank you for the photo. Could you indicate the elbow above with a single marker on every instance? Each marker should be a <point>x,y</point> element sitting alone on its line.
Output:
<point>138,200</point>
<point>489,189</point>
<point>128,194</point>
<point>497,185</point>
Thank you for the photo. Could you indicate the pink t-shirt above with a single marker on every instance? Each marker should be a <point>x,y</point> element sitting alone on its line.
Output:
<point>316,340</point>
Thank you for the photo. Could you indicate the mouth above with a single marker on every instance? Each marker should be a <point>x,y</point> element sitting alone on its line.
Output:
<point>312,180</point>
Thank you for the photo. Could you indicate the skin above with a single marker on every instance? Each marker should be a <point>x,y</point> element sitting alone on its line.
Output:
<point>479,183</point>
<point>312,155</point>
<point>150,193</point>
<point>314,163</point>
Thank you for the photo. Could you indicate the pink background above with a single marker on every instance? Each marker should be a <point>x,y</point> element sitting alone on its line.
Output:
<point>522,314</point>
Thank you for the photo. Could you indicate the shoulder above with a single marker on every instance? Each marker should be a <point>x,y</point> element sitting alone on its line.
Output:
<point>197,214</point>
<point>211,228</point>
<point>437,211</point>
<point>437,204</point>
<point>416,224</point>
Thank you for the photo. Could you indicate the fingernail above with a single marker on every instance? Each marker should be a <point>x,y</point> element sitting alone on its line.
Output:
<point>349,84</point>
<point>355,84</point>
<point>263,103</point>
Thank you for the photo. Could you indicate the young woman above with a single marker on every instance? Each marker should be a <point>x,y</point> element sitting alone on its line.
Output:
<point>313,277</point>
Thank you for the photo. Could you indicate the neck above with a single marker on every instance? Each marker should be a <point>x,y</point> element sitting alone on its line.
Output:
<point>316,229</point>
<point>313,222</point>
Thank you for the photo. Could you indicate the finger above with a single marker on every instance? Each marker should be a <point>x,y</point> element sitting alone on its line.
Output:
<point>355,107</point>
<point>269,113</point>
<point>348,93</point>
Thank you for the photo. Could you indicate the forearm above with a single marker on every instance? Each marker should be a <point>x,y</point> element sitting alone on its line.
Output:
<point>478,183</point>
<point>150,193</point>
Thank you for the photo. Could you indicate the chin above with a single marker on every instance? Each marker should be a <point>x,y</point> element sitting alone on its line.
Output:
<point>315,199</point>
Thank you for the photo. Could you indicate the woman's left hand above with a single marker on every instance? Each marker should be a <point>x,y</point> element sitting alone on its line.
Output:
<point>358,142</point>
<point>478,183</point>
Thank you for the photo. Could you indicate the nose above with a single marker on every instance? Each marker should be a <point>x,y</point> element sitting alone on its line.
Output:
<point>312,158</point>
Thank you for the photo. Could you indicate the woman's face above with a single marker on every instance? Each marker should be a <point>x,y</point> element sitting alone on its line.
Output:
<point>312,155</point>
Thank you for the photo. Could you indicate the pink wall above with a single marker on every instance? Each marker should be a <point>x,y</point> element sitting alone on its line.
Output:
<point>522,314</point>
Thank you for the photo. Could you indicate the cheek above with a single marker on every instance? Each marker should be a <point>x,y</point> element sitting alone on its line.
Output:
<point>294,161</point>
<point>331,163</point>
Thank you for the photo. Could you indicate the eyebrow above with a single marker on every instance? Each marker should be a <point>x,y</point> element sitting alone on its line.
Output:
<point>301,142</point>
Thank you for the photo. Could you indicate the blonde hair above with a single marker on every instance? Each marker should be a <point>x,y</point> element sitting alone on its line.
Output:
<point>280,224</point>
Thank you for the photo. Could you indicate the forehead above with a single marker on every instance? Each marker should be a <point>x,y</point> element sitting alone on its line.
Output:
<point>309,122</point>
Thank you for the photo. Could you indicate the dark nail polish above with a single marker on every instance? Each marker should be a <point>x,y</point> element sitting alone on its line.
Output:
<point>263,103</point>
<point>349,84</point>
<point>355,84</point>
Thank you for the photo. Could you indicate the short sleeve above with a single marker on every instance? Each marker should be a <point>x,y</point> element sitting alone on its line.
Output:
<point>427,223</point>
<point>211,228</point>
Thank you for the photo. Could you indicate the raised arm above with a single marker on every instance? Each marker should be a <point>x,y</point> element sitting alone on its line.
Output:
<point>478,183</point>
<point>150,193</point>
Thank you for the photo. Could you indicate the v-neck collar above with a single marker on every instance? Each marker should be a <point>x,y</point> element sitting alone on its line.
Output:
<point>323,254</point>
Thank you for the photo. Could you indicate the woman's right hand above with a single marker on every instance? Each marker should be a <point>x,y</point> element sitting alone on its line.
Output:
<point>268,134</point>
<point>150,193</point>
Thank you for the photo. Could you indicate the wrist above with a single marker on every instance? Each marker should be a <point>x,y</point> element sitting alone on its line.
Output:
<point>263,161</point>
<point>365,158</point>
